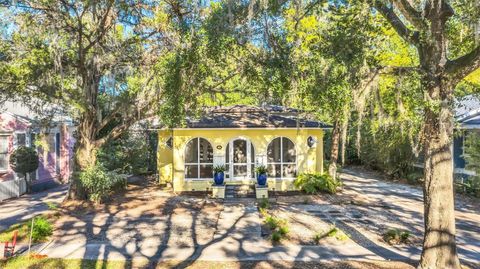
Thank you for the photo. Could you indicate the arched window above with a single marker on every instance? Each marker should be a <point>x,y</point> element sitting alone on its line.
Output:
<point>281,158</point>
<point>198,159</point>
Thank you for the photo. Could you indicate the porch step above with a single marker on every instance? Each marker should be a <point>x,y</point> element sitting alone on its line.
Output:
<point>239,191</point>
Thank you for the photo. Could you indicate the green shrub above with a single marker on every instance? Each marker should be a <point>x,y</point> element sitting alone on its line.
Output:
<point>314,183</point>
<point>271,222</point>
<point>42,229</point>
<point>333,231</point>
<point>278,226</point>
<point>414,178</point>
<point>116,155</point>
<point>396,236</point>
<point>99,183</point>
<point>276,236</point>
<point>52,206</point>
<point>264,203</point>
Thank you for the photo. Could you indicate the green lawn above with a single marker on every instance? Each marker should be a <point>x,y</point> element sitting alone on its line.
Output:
<point>23,262</point>
<point>50,263</point>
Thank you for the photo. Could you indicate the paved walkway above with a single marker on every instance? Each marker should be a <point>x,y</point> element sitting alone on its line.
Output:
<point>16,210</point>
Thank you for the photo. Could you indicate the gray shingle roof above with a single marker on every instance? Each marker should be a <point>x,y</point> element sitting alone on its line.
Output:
<point>242,116</point>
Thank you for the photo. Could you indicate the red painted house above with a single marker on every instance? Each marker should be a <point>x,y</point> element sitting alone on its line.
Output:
<point>52,139</point>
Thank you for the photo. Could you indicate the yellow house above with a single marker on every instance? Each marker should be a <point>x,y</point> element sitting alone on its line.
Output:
<point>241,137</point>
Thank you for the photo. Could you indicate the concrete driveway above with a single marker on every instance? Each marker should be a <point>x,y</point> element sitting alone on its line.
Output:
<point>384,204</point>
<point>16,210</point>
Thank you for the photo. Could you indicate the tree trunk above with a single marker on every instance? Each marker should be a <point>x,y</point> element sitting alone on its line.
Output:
<point>344,141</point>
<point>439,248</point>
<point>85,155</point>
<point>332,168</point>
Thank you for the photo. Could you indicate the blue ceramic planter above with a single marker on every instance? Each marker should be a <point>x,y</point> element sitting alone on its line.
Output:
<point>262,179</point>
<point>218,178</point>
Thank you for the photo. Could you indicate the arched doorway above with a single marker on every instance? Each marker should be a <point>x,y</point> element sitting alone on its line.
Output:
<point>240,159</point>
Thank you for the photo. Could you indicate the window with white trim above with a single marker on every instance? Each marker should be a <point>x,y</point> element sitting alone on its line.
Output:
<point>281,158</point>
<point>3,153</point>
<point>198,159</point>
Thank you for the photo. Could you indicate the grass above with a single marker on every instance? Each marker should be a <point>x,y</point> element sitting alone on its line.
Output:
<point>51,263</point>
<point>42,229</point>
<point>22,262</point>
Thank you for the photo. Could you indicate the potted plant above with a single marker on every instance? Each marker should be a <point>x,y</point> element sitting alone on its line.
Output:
<point>261,175</point>
<point>219,173</point>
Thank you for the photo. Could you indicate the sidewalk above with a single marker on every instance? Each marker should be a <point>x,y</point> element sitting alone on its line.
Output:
<point>16,210</point>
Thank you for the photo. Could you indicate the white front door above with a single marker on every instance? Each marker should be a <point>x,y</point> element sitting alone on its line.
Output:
<point>240,159</point>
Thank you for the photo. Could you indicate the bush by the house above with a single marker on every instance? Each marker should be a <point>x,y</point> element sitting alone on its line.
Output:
<point>314,183</point>
<point>24,160</point>
<point>116,155</point>
<point>99,183</point>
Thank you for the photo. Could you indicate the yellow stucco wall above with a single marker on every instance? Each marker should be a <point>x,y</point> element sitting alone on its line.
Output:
<point>171,161</point>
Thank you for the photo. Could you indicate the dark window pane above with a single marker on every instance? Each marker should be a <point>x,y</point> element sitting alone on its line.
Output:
<point>32,140</point>
<point>227,171</point>
<point>240,170</point>
<point>21,140</point>
<point>169,143</point>
<point>191,171</point>
<point>252,170</point>
<point>273,151</point>
<point>288,151</point>
<point>227,153</point>
<point>206,151</point>
<point>206,171</point>
<point>191,151</point>
<point>3,152</point>
<point>252,153</point>
<point>289,170</point>
<point>239,151</point>
<point>274,170</point>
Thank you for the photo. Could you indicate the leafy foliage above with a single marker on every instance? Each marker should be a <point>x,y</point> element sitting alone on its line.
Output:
<point>279,227</point>
<point>396,236</point>
<point>314,183</point>
<point>219,168</point>
<point>24,160</point>
<point>333,231</point>
<point>117,155</point>
<point>472,160</point>
<point>100,183</point>
<point>42,229</point>
<point>261,170</point>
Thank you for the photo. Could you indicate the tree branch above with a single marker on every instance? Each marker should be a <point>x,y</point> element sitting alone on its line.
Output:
<point>411,14</point>
<point>463,66</point>
<point>387,12</point>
